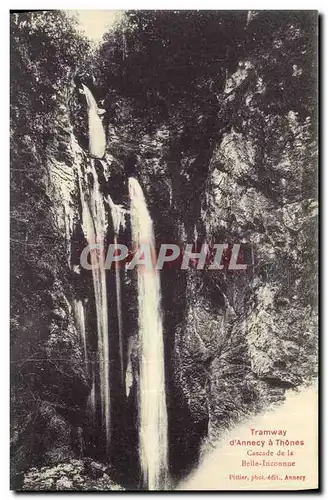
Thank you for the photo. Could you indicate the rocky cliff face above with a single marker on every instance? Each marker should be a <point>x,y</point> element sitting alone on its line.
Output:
<point>240,168</point>
<point>265,338</point>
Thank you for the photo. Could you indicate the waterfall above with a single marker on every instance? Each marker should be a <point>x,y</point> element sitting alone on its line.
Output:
<point>94,223</point>
<point>118,219</point>
<point>92,403</point>
<point>97,137</point>
<point>153,441</point>
<point>78,308</point>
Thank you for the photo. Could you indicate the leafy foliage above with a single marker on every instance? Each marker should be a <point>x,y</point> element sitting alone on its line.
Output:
<point>46,50</point>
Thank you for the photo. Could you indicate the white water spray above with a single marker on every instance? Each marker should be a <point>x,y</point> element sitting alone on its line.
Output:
<point>94,225</point>
<point>97,137</point>
<point>153,441</point>
<point>118,219</point>
<point>78,308</point>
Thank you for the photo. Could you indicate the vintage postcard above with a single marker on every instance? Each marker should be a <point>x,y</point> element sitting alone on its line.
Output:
<point>164,198</point>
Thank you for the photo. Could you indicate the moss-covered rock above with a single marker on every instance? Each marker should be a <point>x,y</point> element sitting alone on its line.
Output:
<point>73,475</point>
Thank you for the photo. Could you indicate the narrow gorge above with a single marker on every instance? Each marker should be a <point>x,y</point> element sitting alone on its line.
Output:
<point>178,127</point>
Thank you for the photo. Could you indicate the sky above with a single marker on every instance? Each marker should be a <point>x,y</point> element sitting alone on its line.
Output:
<point>95,22</point>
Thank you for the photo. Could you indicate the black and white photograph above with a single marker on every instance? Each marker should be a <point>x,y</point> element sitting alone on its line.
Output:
<point>163,250</point>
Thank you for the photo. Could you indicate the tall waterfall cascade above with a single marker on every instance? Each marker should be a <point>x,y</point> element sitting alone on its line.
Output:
<point>153,438</point>
<point>97,136</point>
<point>152,410</point>
<point>94,225</point>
